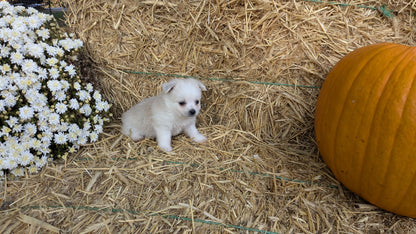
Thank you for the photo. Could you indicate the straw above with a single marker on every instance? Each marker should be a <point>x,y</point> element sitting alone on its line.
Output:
<point>260,170</point>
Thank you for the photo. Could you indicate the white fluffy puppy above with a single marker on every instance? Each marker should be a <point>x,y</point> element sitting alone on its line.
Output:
<point>167,114</point>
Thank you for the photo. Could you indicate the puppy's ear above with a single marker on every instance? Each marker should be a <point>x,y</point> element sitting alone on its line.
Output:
<point>167,87</point>
<point>200,85</point>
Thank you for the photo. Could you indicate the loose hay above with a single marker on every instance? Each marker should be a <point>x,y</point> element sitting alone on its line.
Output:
<point>260,169</point>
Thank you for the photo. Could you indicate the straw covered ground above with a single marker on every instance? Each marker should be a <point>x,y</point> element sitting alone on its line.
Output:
<point>262,62</point>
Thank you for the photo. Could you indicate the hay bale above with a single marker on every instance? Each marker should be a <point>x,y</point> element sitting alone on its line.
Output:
<point>260,169</point>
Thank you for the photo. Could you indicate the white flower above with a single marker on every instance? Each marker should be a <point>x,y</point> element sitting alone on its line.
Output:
<point>82,140</point>
<point>33,169</point>
<point>34,50</point>
<point>5,131</point>
<point>17,128</point>
<point>35,143</point>
<point>9,163</point>
<point>98,128</point>
<point>86,109</point>
<point>97,96</point>
<point>89,87</point>
<point>19,25</point>
<point>30,129</point>
<point>68,44</point>
<point>54,85</point>
<point>24,82</point>
<point>26,112</point>
<point>44,113</point>
<point>34,22</point>
<point>63,64</point>
<point>54,119</point>
<point>19,9</point>
<point>51,61</point>
<point>93,137</point>
<point>10,99</point>
<point>16,58</point>
<point>60,138</point>
<point>5,68</point>
<point>29,66</point>
<point>63,127</point>
<point>73,128</point>
<point>4,82</point>
<point>26,157</point>
<point>43,125</point>
<point>77,86</point>
<point>87,126</point>
<point>54,73</point>
<point>51,50</point>
<point>102,106</point>
<point>4,5</point>
<point>19,171</point>
<point>4,51</point>
<point>3,151</point>
<point>60,95</point>
<point>78,43</point>
<point>71,70</point>
<point>39,103</point>
<point>65,85</point>
<point>14,37</point>
<point>47,137</point>
<point>41,161</point>
<point>12,121</point>
<point>72,137</point>
<point>83,95</point>
<point>43,33</point>
<point>42,73</point>
<point>73,104</point>
<point>4,35</point>
<point>60,108</point>
<point>14,77</point>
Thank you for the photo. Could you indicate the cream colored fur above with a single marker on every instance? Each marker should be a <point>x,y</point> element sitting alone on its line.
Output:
<point>168,114</point>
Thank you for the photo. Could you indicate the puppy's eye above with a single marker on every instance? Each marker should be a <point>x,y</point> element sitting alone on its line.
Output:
<point>197,102</point>
<point>182,103</point>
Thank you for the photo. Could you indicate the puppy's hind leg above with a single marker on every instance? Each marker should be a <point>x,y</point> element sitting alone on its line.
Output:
<point>135,135</point>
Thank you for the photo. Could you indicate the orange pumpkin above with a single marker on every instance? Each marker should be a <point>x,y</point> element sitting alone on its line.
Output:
<point>365,125</point>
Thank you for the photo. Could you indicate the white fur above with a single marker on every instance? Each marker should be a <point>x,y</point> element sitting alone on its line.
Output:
<point>167,114</point>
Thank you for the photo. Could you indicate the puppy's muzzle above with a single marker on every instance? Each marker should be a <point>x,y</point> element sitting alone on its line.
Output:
<point>192,112</point>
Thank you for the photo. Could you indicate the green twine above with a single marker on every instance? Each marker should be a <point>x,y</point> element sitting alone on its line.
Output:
<point>255,173</point>
<point>383,9</point>
<point>234,170</point>
<point>218,79</point>
<point>167,216</point>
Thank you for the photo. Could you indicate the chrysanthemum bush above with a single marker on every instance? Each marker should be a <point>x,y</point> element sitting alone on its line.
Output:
<point>46,111</point>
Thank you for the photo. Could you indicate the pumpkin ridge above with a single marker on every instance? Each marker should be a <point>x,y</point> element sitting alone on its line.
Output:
<point>382,175</point>
<point>406,103</point>
<point>382,48</point>
<point>364,121</point>
<point>374,179</point>
<point>331,148</point>
<point>373,122</point>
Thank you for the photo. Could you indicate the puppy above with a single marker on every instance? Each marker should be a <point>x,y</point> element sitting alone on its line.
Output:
<point>167,114</point>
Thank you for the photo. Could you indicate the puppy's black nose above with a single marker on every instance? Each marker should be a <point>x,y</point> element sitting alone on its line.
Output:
<point>192,112</point>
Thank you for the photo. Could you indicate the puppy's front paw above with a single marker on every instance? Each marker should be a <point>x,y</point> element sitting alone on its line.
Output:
<point>166,148</point>
<point>199,138</point>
